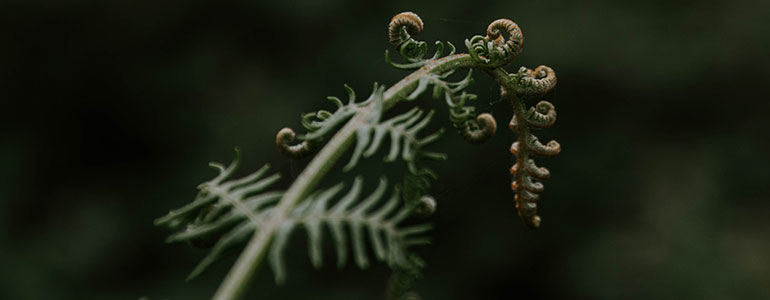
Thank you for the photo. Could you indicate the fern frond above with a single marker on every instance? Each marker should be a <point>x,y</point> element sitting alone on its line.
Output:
<point>367,216</point>
<point>494,50</point>
<point>403,131</point>
<point>475,129</point>
<point>226,211</point>
<point>528,84</point>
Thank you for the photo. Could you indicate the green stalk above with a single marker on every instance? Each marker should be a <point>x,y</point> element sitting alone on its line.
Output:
<point>235,284</point>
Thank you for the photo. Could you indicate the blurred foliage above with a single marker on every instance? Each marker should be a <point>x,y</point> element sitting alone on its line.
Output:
<point>112,110</point>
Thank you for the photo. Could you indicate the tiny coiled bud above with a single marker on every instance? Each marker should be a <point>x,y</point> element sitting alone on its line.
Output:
<point>542,115</point>
<point>552,148</point>
<point>408,20</point>
<point>485,129</point>
<point>282,140</point>
<point>535,82</point>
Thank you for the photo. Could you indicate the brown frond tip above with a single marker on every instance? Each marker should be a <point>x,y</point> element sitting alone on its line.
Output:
<point>408,20</point>
<point>526,190</point>
<point>485,129</point>
<point>282,140</point>
<point>528,211</point>
<point>513,44</point>
<point>525,172</point>
<point>535,82</point>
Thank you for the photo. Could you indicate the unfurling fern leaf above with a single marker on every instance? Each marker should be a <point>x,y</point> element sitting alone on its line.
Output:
<point>528,84</point>
<point>475,129</point>
<point>319,125</point>
<point>403,131</point>
<point>228,211</point>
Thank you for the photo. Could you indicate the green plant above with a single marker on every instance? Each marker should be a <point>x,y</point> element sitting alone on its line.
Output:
<point>230,212</point>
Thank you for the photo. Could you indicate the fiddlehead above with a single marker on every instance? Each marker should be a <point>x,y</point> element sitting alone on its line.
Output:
<point>535,82</point>
<point>494,50</point>
<point>401,30</point>
<point>541,115</point>
<point>282,142</point>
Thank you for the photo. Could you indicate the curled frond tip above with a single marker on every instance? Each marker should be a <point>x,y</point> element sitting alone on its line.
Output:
<point>408,20</point>
<point>535,82</point>
<point>485,129</point>
<point>282,142</point>
<point>515,38</point>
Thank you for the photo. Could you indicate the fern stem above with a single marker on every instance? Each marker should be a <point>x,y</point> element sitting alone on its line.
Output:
<point>519,109</point>
<point>235,284</point>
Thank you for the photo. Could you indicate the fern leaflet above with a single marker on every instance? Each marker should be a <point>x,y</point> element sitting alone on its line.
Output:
<point>226,213</point>
<point>390,243</point>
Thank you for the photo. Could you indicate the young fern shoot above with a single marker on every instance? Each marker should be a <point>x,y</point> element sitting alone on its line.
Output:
<point>230,213</point>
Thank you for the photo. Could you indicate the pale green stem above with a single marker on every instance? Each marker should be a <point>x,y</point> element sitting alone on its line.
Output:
<point>237,281</point>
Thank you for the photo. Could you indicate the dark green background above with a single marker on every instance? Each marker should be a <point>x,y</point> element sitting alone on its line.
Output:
<point>111,110</point>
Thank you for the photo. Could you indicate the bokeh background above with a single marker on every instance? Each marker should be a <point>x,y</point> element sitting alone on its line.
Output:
<point>112,109</point>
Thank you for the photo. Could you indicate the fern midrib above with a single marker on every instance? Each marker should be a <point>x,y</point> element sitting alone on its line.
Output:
<point>522,128</point>
<point>236,281</point>
<point>222,194</point>
<point>522,132</point>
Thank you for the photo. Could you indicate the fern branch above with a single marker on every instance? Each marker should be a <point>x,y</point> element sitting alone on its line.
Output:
<point>518,87</point>
<point>235,283</point>
<point>231,211</point>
